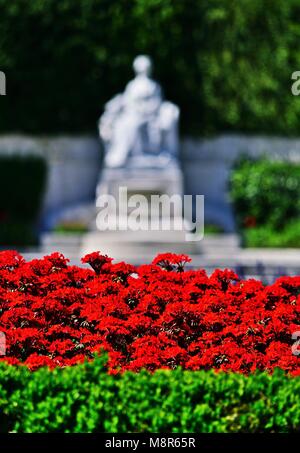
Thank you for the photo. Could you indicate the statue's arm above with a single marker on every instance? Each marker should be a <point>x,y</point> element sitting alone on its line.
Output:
<point>169,115</point>
<point>112,110</point>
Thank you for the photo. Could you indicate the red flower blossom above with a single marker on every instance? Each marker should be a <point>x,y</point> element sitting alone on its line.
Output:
<point>154,316</point>
<point>96,261</point>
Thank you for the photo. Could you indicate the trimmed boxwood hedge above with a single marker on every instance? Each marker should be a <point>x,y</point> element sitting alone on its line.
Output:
<point>84,398</point>
<point>22,186</point>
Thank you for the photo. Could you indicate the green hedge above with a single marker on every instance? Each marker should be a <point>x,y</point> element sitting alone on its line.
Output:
<point>84,398</point>
<point>266,200</point>
<point>227,64</point>
<point>22,184</point>
<point>266,236</point>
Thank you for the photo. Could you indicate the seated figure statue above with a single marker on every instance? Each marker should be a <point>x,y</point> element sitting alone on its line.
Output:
<point>139,128</point>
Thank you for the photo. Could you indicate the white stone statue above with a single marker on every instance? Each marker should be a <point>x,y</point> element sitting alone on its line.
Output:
<point>139,128</point>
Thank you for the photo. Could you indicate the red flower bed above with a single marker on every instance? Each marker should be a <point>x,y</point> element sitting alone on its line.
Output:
<point>153,316</point>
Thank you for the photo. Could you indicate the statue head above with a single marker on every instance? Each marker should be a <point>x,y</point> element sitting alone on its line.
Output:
<point>142,65</point>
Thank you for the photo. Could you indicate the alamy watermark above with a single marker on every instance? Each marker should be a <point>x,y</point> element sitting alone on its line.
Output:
<point>164,212</point>
<point>296,345</point>
<point>2,84</point>
<point>2,344</point>
<point>295,88</point>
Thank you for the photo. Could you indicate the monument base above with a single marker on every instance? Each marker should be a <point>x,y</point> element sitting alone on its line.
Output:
<point>166,180</point>
<point>136,246</point>
<point>140,244</point>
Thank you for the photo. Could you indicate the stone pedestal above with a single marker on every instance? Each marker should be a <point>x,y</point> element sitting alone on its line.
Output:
<point>143,244</point>
<point>136,246</point>
<point>144,181</point>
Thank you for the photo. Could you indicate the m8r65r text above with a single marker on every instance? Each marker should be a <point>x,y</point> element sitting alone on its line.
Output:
<point>172,442</point>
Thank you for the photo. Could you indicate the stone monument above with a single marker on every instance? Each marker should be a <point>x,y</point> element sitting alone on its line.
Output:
<point>139,132</point>
<point>139,128</point>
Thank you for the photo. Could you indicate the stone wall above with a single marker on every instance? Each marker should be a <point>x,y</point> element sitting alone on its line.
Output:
<point>207,164</point>
<point>73,168</point>
<point>75,162</point>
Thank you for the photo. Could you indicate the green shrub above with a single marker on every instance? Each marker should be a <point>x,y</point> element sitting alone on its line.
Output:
<point>22,184</point>
<point>266,201</point>
<point>17,233</point>
<point>266,236</point>
<point>227,64</point>
<point>212,228</point>
<point>84,398</point>
<point>71,228</point>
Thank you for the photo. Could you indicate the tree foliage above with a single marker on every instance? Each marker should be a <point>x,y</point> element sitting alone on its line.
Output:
<point>227,64</point>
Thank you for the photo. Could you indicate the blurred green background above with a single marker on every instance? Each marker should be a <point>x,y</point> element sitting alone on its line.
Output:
<point>227,64</point>
<point>266,202</point>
